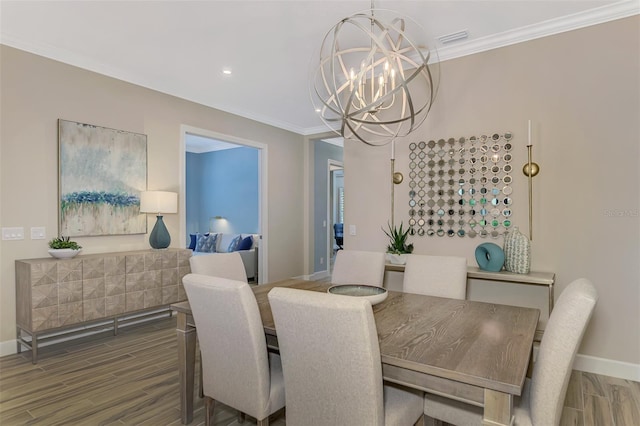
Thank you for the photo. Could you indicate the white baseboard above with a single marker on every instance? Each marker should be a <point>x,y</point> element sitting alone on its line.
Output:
<point>607,367</point>
<point>8,348</point>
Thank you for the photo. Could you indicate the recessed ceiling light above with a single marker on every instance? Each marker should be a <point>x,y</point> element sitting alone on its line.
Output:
<point>226,71</point>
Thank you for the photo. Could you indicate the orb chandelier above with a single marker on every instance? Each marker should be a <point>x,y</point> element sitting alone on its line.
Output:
<point>374,81</point>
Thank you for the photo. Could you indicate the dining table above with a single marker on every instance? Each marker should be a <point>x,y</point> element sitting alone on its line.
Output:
<point>474,352</point>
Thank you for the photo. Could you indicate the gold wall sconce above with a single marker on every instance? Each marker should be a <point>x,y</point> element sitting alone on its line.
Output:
<point>396,179</point>
<point>530,169</point>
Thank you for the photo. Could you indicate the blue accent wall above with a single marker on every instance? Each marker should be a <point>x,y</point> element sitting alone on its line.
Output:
<point>223,183</point>
<point>322,153</point>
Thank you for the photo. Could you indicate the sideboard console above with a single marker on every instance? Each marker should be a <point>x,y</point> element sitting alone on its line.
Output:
<point>58,295</point>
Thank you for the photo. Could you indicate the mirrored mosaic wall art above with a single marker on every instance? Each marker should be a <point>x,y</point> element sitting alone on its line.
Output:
<point>461,187</point>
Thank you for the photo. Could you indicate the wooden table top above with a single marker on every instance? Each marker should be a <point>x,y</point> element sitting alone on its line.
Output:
<point>482,344</point>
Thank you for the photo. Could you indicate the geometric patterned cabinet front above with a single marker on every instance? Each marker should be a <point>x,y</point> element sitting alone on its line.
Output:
<point>57,293</point>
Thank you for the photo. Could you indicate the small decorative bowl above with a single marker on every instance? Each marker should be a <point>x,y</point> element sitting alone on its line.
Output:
<point>374,294</point>
<point>63,253</point>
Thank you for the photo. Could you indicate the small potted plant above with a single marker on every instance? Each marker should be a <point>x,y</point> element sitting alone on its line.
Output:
<point>63,248</point>
<point>398,249</point>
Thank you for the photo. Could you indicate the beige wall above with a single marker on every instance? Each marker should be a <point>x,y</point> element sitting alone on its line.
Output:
<point>581,89</point>
<point>36,92</point>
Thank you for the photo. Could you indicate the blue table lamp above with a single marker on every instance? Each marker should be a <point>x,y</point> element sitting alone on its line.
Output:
<point>159,202</point>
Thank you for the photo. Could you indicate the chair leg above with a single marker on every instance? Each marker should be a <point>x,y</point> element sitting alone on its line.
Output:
<point>241,417</point>
<point>420,421</point>
<point>263,422</point>
<point>208,411</point>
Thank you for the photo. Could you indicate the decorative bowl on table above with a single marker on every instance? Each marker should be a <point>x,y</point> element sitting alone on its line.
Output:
<point>63,253</point>
<point>372,293</point>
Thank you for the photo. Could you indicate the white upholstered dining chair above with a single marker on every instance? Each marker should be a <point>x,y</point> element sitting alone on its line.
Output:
<point>237,369</point>
<point>441,276</point>
<point>358,267</point>
<point>331,363</point>
<point>543,396</point>
<point>223,265</point>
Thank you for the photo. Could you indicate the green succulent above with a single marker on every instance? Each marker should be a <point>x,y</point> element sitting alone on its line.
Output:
<point>62,242</point>
<point>398,240</point>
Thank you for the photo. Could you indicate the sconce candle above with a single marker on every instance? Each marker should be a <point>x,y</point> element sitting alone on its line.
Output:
<point>530,169</point>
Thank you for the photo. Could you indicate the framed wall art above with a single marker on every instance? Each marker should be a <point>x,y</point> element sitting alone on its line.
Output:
<point>101,174</point>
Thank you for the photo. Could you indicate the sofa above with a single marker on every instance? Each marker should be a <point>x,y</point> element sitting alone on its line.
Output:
<point>245,244</point>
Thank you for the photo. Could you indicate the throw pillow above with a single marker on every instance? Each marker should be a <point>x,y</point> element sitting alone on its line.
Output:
<point>206,243</point>
<point>193,241</point>
<point>245,244</point>
<point>233,246</point>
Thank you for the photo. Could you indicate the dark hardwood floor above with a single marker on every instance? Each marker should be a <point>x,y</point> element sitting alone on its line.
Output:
<point>132,379</point>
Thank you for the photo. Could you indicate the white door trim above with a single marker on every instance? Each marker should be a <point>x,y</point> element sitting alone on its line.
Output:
<point>263,217</point>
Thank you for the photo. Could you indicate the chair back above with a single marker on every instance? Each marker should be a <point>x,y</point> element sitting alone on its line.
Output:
<point>358,267</point>
<point>222,265</point>
<point>330,358</point>
<point>441,276</point>
<point>233,346</point>
<point>560,342</point>
<point>338,233</point>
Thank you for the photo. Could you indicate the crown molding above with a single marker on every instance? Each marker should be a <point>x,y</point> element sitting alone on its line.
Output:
<point>619,10</point>
<point>595,16</point>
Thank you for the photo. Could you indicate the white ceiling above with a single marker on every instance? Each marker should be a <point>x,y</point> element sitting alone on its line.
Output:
<point>180,47</point>
<point>199,144</point>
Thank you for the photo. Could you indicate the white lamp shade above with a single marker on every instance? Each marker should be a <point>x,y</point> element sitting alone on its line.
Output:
<point>158,202</point>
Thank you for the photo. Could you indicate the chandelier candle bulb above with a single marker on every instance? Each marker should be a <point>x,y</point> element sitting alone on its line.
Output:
<point>529,144</point>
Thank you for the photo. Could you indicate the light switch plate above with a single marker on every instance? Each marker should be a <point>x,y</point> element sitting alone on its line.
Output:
<point>38,233</point>
<point>352,230</point>
<point>16,233</point>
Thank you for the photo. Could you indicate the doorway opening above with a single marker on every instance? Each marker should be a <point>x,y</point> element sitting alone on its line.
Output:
<point>327,154</point>
<point>223,179</point>
<point>335,207</point>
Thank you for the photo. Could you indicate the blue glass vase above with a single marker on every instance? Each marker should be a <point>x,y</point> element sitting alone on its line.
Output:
<point>159,237</point>
<point>490,257</point>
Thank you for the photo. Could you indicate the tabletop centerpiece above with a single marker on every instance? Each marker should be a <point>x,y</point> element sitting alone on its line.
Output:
<point>63,248</point>
<point>398,249</point>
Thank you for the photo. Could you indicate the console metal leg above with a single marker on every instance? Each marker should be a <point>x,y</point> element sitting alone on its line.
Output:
<point>18,338</point>
<point>34,348</point>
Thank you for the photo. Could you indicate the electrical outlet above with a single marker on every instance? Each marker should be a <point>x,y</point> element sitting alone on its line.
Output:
<point>16,233</point>
<point>322,260</point>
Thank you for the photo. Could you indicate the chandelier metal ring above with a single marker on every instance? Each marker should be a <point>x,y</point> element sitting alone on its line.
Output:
<point>374,82</point>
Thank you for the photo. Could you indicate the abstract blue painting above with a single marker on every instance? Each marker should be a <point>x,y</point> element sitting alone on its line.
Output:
<point>102,172</point>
